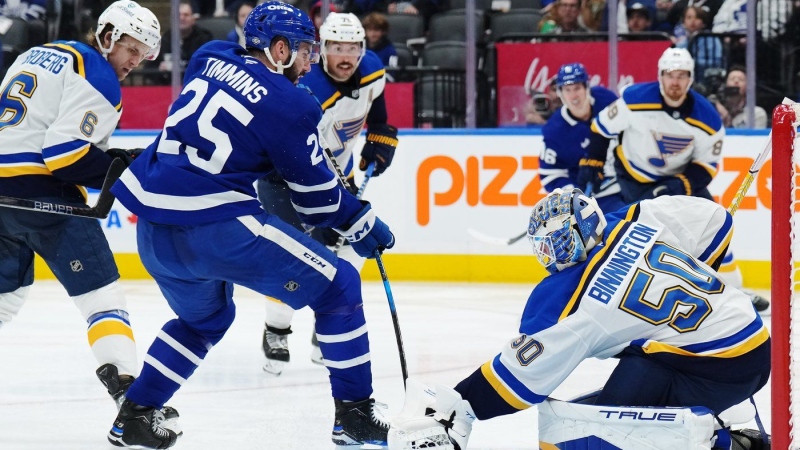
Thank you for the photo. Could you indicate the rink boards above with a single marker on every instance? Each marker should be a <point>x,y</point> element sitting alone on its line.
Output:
<point>444,182</point>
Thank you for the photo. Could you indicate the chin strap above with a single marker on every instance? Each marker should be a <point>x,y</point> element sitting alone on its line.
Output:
<point>279,66</point>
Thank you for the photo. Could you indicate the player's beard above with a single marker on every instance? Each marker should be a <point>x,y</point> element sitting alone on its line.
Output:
<point>293,73</point>
<point>674,93</point>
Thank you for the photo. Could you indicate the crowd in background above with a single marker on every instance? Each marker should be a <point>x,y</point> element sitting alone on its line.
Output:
<point>712,31</point>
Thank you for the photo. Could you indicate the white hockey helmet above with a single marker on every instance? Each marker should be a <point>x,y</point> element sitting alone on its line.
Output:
<point>564,227</point>
<point>341,27</point>
<point>675,59</point>
<point>138,22</point>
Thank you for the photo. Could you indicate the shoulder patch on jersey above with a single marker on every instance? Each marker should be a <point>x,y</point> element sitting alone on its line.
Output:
<point>371,68</point>
<point>704,115</point>
<point>90,65</point>
<point>643,97</point>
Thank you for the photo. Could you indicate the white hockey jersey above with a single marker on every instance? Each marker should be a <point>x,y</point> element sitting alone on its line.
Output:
<point>648,285</point>
<point>344,113</point>
<point>657,142</point>
<point>60,102</point>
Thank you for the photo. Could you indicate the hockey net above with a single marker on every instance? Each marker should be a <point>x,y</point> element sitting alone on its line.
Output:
<point>785,278</point>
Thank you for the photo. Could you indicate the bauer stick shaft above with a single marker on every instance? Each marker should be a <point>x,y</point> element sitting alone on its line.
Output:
<point>99,211</point>
<point>395,320</point>
<point>382,270</point>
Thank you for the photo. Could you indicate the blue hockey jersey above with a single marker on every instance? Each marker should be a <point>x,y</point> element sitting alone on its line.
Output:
<point>566,141</point>
<point>234,122</point>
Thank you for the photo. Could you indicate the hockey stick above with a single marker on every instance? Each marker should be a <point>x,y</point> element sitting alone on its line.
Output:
<point>99,211</point>
<point>361,189</point>
<point>395,321</point>
<point>393,311</point>
<point>502,241</point>
<point>762,157</point>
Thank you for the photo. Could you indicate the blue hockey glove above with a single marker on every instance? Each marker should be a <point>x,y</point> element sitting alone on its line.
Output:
<point>367,234</point>
<point>590,171</point>
<point>380,146</point>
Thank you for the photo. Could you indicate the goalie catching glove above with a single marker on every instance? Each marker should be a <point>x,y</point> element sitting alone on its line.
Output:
<point>367,234</point>
<point>380,146</point>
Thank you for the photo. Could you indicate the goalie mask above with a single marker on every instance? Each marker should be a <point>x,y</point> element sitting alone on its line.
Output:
<point>127,17</point>
<point>564,227</point>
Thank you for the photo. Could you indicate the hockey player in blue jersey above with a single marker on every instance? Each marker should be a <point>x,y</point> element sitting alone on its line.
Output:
<point>349,84</point>
<point>567,134</point>
<point>639,285</point>
<point>201,228</point>
<point>670,143</point>
<point>61,101</point>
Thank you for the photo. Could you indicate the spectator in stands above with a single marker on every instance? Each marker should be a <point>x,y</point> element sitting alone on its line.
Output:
<point>731,101</point>
<point>591,15</point>
<point>426,8</point>
<point>640,18</point>
<point>706,50</point>
<point>237,34</point>
<point>192,37</point>
<point>24,9</point>
<point>315,12</point>
<point>542,105</point>
<point>563,18</point>
<point>377,28</point>
<point>731,17</point>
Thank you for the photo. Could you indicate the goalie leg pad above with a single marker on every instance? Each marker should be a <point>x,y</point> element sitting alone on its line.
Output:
<point>627,428</point>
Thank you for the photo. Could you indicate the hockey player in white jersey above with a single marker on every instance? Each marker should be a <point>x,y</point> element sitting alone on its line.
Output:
<point>671,143</point>
<point>61,102</point>
<point>638,285</point>
<point>349,84</point>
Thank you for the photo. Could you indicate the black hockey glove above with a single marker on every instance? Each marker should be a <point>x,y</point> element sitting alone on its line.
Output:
<point>677,185</point>
<point>590,173</point>
<point>380,146</point>
<point>126,155</point>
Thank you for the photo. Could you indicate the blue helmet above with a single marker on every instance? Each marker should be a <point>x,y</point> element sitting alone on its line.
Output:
<point>571,74</point>
<point>274,18</point>
<point>564,227</point>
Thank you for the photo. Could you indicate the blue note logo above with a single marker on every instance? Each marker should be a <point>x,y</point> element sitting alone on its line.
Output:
<point>348,129</point>
<point>669,146</point>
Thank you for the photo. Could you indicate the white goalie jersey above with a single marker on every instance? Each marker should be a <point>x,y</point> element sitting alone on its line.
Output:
<point>655,142</point>
<point>649,286</point>
<point>345,113</point>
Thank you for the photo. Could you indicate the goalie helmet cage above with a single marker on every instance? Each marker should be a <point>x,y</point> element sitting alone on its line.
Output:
<point>785,279</point>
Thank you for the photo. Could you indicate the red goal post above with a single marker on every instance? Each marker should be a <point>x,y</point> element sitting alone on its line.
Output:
<point>785,339</point>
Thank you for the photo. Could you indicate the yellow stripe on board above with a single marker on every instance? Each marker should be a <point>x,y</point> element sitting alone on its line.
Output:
<point>442,268</point>
<point>107,328</point>
<point>545,446</point>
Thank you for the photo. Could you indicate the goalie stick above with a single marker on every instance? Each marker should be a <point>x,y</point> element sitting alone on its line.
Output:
<point>762,157</point>
<point>99,211</point>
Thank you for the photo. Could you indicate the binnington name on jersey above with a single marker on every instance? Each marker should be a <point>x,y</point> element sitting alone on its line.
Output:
<point>236,78</point>
<point>638,241</point>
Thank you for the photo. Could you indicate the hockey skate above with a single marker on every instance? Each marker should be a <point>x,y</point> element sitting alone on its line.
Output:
<point>138,426</point>
<point>359,423</point>
<point>276,348</point>
<point>316,353</point>
<point>117,385</point>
